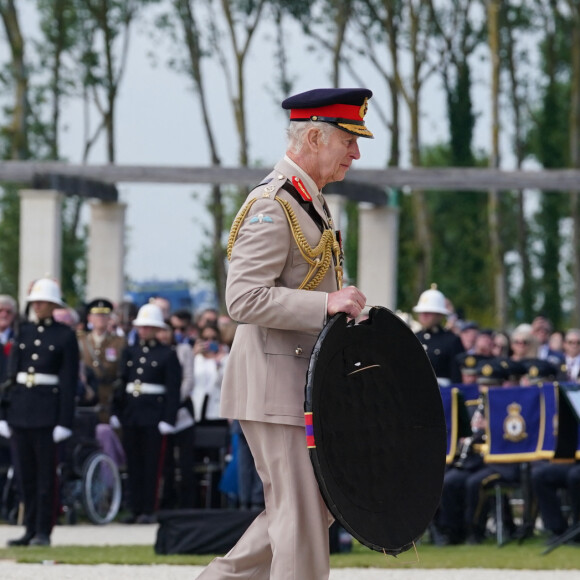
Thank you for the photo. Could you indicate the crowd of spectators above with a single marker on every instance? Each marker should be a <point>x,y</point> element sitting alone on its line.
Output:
<point>463,353</point>
<point>128,361</point>
<point>460,351</point>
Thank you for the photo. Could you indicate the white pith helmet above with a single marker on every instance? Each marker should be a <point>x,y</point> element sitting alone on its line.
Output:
<point>45,290</point>
<point>150,315</point>
<point>431,300</point>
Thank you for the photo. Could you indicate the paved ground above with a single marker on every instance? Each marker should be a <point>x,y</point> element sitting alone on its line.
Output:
<point>87,535</point>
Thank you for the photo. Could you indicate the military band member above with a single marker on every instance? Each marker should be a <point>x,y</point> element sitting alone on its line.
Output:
<point>101,351</point>
<point>44,366</point>
<point>441,345</point>
<point>146,409</point>
<point>283,282</point>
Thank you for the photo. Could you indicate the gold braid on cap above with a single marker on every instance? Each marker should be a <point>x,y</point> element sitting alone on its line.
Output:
<point>318,258</point>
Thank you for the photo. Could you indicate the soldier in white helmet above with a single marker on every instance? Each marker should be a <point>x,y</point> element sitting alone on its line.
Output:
<point>43,368</point>
<point>145,405</point>
<point>442,346</point>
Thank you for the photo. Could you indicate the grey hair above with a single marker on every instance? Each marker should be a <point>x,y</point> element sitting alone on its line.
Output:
<point>297,130</point>
<point>8,301</point>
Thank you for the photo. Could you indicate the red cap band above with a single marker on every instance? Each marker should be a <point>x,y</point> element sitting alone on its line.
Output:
<point>352,112</point>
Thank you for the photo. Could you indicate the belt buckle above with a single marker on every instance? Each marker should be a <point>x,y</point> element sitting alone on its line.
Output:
<point>30,380</point>
<point>136,388</point>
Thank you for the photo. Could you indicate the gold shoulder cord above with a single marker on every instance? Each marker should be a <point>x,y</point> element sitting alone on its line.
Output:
<point>318,258</point>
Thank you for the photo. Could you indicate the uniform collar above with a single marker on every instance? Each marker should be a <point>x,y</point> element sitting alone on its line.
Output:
<point>150,343</point>
<point>45,321</point>
<point>308,181</point>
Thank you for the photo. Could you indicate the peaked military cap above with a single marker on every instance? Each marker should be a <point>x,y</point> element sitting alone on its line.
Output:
<point>495,371</point>
<point>538,369</point>
<point>100,306</point>
<point>468,362</point>
<point>344,108</point>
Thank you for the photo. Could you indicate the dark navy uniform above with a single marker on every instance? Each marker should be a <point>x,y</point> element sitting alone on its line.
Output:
<point>44,367</point>
<point>151,378</point>
<point>442,347</point>
<point>547,479</point>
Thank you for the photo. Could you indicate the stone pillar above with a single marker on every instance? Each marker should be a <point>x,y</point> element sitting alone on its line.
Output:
<point>40,238</point>
<point>106,256</point>
<point>335,204</point>
<point>377,254</point>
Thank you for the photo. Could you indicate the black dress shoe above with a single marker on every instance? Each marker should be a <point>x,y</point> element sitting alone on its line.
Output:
<point>23,541</point>
<point>40,540</point>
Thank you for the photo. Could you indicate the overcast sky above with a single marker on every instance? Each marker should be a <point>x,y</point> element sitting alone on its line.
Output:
<point>158,123</point>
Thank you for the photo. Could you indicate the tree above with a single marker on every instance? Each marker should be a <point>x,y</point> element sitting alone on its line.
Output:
<point>16,133</point>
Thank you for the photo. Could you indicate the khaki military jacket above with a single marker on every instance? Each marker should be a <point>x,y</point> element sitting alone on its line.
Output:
<point>279,324</point>
<point>103,358</point>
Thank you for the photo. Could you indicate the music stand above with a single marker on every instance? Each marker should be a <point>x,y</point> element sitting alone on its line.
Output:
<point>567,444</point>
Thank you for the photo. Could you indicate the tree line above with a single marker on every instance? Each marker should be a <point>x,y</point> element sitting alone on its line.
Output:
<point>502,257</point>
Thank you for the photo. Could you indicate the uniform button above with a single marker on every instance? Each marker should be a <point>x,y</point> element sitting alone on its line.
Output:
<point>30,369</point>
<point>34,356</point>
<point>426,336</point>
<point>280,176</point>
<point>55,391</point>
<point>298,350</point>
<point>137,381</point>
<point>22,346</point>
<point>145,349</point>
<point>154,363</point>
<point>129,363</point>
<point>139,371</point>
<point>51,347</point>
<point>437,351</point>
<point>37,342</point>
<point>142,360</point>
<point>40,329</point>
<point>95,363</point>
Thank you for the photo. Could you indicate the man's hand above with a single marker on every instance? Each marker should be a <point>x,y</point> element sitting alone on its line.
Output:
<point>349,300</point>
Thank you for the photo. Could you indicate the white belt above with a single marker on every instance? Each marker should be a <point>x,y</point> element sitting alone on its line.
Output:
<point>33,379</point>
<point>137,389</point>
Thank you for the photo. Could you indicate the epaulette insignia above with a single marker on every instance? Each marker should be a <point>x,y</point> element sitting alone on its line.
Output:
<point>301,188</point>
<point>261,218</point>
<point>487,370</point>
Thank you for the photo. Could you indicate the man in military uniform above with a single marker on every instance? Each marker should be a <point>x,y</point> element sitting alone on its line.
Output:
<point>442,346</point>
<point>44,368</point>
<point>283,283</point>
<point>101,351</point>
<point>146,407</point>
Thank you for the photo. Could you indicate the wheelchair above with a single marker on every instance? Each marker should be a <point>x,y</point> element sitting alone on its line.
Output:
<point>89,480</point>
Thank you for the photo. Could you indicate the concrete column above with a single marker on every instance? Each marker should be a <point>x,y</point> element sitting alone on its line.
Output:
<point>335,204</point>
<point>377,254</point>
<point>106,259</point>
<point>40,237</point>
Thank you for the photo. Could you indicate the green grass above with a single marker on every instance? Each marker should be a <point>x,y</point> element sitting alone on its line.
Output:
<point>511,556</point>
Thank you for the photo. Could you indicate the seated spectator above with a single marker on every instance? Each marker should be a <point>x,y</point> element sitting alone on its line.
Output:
<point>548,479</point>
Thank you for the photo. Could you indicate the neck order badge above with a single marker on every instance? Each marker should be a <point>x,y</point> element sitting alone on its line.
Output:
<point>375,429</point>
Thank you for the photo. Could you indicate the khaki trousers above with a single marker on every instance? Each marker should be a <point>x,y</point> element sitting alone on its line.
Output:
<point>289,539</point>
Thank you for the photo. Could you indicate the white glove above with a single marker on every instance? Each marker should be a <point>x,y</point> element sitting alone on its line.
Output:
<point>5,430</point>
<point>60,433</point>
<point>165,428</point>
<point>114,422</point>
